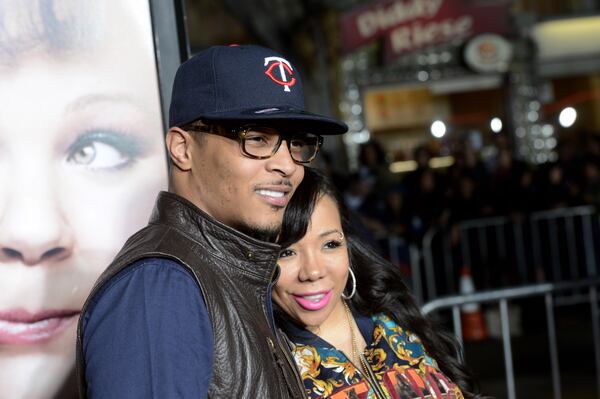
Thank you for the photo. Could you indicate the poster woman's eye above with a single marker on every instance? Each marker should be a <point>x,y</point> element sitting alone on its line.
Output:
<point>104,150</point>
<point>98,155</point>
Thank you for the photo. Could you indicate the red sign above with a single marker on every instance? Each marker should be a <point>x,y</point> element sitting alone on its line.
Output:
<point>408,25</point>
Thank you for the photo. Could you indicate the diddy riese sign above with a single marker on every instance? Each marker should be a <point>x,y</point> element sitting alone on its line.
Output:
<point>408,25</point>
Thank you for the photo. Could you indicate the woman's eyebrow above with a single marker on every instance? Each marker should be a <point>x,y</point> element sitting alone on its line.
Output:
<point>327,232</point>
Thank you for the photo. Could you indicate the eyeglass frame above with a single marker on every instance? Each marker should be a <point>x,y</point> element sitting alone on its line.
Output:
<point>240,134</point>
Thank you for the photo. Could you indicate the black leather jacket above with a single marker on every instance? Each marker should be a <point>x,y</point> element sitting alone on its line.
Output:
<point>235,274</point>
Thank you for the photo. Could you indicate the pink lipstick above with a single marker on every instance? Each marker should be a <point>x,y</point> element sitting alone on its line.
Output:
<point>314,301</point>
<point>19,327</point>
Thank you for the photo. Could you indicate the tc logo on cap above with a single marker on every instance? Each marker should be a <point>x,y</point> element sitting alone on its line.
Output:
<point>283,68</point>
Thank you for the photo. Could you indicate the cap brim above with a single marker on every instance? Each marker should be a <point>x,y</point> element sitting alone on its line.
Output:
<point>286,117</point>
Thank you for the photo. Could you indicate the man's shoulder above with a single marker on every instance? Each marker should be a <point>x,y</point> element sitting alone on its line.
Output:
<point>150,267</point>
<point>142,287</point>
<point>143,276</point>
<point>154,263</point>
<point>148,320</point>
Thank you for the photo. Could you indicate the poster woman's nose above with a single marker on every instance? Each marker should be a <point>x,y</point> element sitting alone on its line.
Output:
<point>34,232</point>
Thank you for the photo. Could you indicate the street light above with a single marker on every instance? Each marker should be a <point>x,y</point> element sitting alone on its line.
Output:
<point>496,125</point>
<point>438,129</point>
<point>567,117</point>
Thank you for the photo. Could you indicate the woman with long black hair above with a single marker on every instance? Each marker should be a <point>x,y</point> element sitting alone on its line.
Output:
<point>353,328</point>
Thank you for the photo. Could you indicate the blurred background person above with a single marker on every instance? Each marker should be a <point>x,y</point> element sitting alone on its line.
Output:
<point>81,160</point>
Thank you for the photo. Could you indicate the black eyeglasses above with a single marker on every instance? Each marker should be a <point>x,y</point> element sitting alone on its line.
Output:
<point>259,142</point>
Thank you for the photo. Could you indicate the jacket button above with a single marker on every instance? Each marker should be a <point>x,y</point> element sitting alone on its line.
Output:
<point>270,342</point>
<point>250,255</point>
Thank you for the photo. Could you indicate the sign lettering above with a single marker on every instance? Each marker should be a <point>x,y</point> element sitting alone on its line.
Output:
<point>408,25</point>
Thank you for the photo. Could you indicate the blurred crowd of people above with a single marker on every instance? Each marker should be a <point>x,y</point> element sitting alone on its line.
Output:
<point>408,204</point>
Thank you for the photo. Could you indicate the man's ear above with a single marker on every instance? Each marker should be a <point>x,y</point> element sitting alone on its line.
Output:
<point>179,146</point>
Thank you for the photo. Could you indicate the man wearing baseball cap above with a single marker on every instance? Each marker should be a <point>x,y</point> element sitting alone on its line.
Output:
<point>185,310</point>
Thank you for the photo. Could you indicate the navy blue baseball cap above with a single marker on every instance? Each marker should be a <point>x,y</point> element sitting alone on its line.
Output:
<point>244,84</point>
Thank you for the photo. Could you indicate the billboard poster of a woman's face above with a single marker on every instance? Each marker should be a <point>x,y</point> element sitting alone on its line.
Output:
<point>81,162</point>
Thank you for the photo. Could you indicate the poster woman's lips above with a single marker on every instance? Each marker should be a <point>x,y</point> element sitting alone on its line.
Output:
<point>20,327</point>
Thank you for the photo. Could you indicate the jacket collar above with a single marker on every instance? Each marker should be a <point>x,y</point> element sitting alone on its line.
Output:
<point>221,241</point>
<point>299,335</point>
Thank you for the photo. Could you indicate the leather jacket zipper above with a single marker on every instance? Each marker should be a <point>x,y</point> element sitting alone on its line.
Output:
<point>292,364</point>
<point>286,352</point>
<point>269,304</point>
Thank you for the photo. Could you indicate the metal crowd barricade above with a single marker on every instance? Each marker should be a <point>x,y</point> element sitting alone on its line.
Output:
<point>503,252</point>
<point>569,216</point>
<point>394,246</point>
<point>503,296</point>
<point>428,262</point>
<point>417,257</point>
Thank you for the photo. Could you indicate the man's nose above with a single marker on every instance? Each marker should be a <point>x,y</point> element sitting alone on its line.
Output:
<point>282,162</point>
<point>33,231</point>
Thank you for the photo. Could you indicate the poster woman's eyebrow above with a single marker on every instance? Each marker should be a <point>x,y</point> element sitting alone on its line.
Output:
<point>101,98</point>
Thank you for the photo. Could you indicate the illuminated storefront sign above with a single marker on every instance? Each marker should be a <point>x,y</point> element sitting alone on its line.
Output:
<point>408,25</point>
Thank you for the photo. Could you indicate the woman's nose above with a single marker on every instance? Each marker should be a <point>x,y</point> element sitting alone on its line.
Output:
<point>312,268</point>
<point>34,232</point>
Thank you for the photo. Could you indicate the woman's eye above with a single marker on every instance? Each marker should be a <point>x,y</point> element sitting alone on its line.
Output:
<point>286,253</point>
<point>98,155</point>
<point>333,244</point>
<point>104,150</point>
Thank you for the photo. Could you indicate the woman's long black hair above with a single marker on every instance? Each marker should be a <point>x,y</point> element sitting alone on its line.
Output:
<point>379,287</point>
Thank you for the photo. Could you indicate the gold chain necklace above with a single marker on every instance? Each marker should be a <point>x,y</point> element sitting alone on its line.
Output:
<point>356,358</point>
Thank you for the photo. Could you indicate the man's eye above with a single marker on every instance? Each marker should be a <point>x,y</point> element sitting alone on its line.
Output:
<point>104,150</point>
<point>297,143</point>
<point>257,140</point>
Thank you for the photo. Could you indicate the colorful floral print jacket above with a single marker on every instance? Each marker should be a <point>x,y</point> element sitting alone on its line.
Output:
<point>397,365</point>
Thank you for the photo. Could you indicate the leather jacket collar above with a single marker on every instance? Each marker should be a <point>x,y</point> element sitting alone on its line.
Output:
<point>221,241</point>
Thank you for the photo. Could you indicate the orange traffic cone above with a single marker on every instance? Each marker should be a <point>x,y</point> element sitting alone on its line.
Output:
<point>472,321</point>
